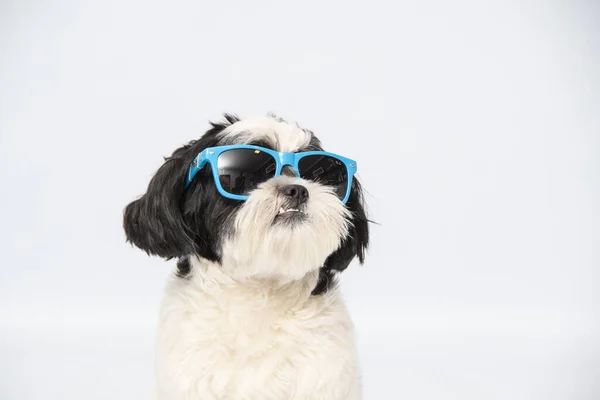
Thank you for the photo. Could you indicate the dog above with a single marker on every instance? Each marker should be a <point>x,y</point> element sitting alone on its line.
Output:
<point>260,220</point>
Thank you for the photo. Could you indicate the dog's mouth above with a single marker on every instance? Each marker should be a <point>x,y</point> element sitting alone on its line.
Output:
<point>291,214</point>
<point>288,210</point>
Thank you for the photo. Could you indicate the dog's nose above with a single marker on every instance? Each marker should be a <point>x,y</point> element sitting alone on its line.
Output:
<point>297,193</point>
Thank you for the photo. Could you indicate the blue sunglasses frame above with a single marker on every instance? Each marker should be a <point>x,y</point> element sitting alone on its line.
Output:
<point>211,156</point>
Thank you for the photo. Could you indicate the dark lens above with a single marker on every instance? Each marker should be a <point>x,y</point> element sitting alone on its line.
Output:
<point>325,170</point>
<point>241,170</point>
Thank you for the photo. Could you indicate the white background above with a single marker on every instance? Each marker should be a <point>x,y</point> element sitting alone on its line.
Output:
<point>476,127</point>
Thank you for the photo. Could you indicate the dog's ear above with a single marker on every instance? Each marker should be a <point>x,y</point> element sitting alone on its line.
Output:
<point>170,221</point>
<point>354,245</point>
<point>155,222</point>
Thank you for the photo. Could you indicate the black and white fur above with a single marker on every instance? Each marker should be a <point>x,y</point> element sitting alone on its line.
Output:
<point>253,310</point>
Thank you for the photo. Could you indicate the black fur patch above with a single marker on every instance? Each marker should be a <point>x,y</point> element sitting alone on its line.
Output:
<point>184,267</point>
<point>354,245</point>
<point>171,222</point>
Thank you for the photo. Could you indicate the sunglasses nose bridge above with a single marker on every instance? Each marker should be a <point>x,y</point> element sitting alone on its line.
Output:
<point>286,159</point>
<point>287,163</point>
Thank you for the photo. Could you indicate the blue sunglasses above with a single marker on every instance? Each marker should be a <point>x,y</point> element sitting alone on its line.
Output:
<point>238,169</point>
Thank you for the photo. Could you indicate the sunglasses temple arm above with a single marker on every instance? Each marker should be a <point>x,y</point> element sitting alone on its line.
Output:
<point>196,166</point>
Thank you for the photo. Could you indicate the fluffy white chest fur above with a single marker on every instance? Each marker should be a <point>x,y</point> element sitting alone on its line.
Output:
<point>219,339</point>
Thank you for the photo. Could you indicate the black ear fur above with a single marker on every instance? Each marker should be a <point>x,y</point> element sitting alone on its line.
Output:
<point>154,222</point>
<point>354,245</point>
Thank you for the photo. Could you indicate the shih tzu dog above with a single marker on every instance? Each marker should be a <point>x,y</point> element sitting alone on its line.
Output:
<point>261,219</point>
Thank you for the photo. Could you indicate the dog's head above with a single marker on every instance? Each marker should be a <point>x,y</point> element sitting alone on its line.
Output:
<point>286,228</point>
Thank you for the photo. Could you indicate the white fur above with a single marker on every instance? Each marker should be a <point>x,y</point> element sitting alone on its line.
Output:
<point>260,248</point>
<point>227,339</point>
<point>282,135</point>
<point>249,328</point>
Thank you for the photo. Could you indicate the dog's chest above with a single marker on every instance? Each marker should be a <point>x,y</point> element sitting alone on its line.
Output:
<point>211,349</point>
